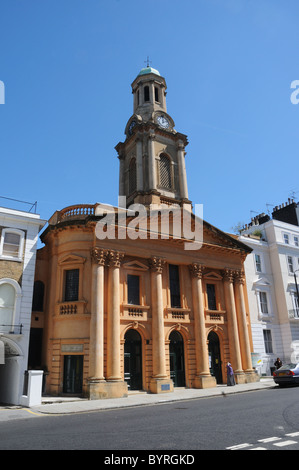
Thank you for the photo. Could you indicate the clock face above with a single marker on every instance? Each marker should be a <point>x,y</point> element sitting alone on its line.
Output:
<point>163,122</point>
<point>131,126</point>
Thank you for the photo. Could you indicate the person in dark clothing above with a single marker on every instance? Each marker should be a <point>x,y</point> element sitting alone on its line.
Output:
<point>278,363</point>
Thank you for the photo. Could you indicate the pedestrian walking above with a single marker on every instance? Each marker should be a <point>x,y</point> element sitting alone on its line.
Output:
<point>230,375</point>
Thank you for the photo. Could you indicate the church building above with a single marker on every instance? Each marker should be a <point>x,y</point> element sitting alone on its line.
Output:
<point>125,309</point>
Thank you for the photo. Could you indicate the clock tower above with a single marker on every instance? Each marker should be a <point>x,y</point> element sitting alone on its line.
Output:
<point>152,157</point>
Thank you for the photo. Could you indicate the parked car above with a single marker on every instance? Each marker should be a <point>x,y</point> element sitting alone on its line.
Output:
<point>288,374</point>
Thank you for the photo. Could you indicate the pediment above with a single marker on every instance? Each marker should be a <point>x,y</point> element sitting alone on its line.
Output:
<point>179,225</point>
<point>71,259</point>
<point>134,264</point>
<point>261,282</point>
<point>212,276</point>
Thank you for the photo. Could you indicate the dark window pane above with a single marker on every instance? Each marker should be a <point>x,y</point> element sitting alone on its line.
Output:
<point>146,93</point>
<point>174,280</point>
<point>268,341</point>
<point>71,285</point>
<point>38,297</point>
<point>133,290</point>
<point>156,94</point>
<point>211,297</point>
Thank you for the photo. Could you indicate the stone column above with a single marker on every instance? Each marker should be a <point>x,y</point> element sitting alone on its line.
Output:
<point>182,170</point>
<point>243,328</point>
<point>139,163</point>
<point>152,162</point>
<point>121,189</point>
<point>96,346</point>
<point>160,382</point>
<point>233,335</point>
<point>113,321</point>
<point>203,377</point>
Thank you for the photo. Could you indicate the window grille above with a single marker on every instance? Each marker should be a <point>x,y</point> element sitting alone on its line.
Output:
<point>132,176</point>
<point>165,172</point>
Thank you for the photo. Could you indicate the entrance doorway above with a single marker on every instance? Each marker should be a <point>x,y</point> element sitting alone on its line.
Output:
<point>215,357</point>
<point>133,360</point>
<point>176,357</point>
<point>73,374</point>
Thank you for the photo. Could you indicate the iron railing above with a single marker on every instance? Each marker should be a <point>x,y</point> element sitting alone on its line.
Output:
<point>11,329</point>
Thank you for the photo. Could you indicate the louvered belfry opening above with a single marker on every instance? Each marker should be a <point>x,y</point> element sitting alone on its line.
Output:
<point>165,172</point>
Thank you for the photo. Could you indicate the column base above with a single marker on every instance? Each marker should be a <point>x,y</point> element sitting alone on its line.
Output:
<point>204,381</point>
<point>252,376</point>
<point>240,377</point>
<point>161,385</point>
<point>99,389</point>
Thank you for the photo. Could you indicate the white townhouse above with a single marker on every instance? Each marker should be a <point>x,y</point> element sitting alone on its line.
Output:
<point>272,271</point>
<point>18,243</point>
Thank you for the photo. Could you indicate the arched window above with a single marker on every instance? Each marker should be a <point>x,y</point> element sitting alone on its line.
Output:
<point>132,176</point>
<point>165,172</point>
<point>7,307</point>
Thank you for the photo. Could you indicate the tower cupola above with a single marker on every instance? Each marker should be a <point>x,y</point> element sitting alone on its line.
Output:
<point>152,158</point>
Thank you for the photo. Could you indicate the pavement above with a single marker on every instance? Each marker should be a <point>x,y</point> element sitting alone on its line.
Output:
<point>69,405</point>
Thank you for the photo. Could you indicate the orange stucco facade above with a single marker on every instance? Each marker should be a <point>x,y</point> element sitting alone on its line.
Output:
<point>124,313</point>
<point>95,325</point>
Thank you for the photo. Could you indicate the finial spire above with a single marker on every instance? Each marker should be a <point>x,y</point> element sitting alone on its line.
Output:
<point>147,61</point>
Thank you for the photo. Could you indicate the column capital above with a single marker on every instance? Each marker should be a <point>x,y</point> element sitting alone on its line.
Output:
<point>114,258</point>
<point>196,270</point>
<point>228,275</point>
<point>151,134</point>
<point>98,255</point>
<point>180,145</point>
<point>156,264</point>
<point>240,277</point>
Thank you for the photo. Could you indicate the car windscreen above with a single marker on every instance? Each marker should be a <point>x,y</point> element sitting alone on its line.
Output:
<point>288,366</point>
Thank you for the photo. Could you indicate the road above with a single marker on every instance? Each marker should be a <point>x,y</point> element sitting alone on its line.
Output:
<point>267,419</point>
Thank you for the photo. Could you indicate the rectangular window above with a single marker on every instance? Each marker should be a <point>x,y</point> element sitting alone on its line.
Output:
<point>286,238</point>
<point>133,289</point>
<point>71,287</point>
<point>211,297</point>
<point>263,302</point>
<point>146,94</point>
<point>11,244</point>
<point>290,264</point>
<point>296,241</point>
<point>258,263</point>
<point>174,279</point>
<point>268,341</point>
<point>296,305</point>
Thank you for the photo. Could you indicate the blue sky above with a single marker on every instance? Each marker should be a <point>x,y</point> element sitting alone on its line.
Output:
<point>68,65</point>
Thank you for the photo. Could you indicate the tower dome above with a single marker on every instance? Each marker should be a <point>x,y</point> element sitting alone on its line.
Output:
<point>147,70</point>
